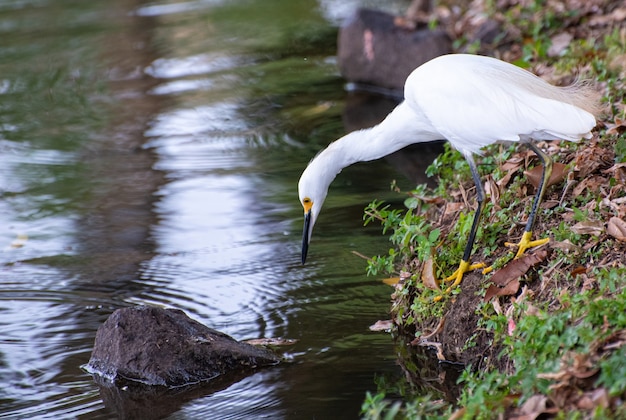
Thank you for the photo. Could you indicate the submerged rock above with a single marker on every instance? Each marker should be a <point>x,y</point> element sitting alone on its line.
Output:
<point>373,49</point>
<point>157,346</point>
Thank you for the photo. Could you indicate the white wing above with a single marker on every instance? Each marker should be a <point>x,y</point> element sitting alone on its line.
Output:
<point>475,101</point>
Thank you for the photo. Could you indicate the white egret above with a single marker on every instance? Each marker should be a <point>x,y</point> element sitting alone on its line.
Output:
<point>471,101</point>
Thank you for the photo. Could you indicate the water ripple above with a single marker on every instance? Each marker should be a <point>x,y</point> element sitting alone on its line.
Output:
<point>175,8</point>
<point>169,68</point>
<point>48,346</point>
<point>220,118</point>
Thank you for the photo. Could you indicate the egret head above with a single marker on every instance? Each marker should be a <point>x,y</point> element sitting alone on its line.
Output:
<point>312,190</point>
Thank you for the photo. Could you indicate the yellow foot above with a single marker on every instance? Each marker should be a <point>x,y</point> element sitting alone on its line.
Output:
<point>525,243</point>
<point>457,276</point>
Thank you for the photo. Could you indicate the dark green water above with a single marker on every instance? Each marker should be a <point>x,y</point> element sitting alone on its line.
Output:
<point>149,154</point>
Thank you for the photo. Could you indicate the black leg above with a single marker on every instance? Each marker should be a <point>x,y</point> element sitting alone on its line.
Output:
<point>465,265</point>
<point>526,242</point>
<point>545,176</point>
<point>480,199</point>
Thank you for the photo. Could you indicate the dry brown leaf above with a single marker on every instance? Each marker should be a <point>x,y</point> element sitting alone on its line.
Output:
<point>532,310</point>
<point>578,270</point>
<point>525,293</point>
<point>507,279</point>
<point>559,173</point>
<point>565,245</point>
<point>592,158</point>
<point>588,227</point>
<point>618,190</point>
<point>594,399</point>
<point>510,166</point>
<point>492,190</point>
<point>397,281</point>
<point>504,181</point>
<point>391,281</point>
<point>549,204</point>
<point>453,208</point>
<point>509,289</point>
<point>593,183</point>
<point>559,43</point>
<point>534,175</point>
<point>617,229</point>
<point>379,325</point>
<point>428,275</point>
<point>618,206</point>
<point>617,15</point>
<point>496,306</point>
<point>568,216</point>
<point>271,341</point>
<point>518,267</point>
<point>573,367</point>
<point>584,374</point>
<point>554,376</point>
<point>617,127</point>
<point>613,169</point>
<point>513,164</point>
<point>534,406</point>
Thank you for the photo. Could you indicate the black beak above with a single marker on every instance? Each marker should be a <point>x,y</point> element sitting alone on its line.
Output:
<point>305,235</point>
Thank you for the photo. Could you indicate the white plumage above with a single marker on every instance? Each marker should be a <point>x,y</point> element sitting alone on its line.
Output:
<point>471,101</point>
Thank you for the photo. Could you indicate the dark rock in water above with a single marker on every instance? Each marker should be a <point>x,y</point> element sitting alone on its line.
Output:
<point>372,49</point>
<point>157,346</point>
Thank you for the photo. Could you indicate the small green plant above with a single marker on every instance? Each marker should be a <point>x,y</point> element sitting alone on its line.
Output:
<point>411,234</point>
<point>449,165</point>
<point>376,407</point>
<point>484,394</point>
<point>620,149</point>
<point>380,406</point>
<point>544,343</point>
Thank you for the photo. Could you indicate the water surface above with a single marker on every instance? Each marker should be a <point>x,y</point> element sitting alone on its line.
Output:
<point>149,155</point>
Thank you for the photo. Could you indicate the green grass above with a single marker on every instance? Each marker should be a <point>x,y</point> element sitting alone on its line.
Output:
<point>549,341</point>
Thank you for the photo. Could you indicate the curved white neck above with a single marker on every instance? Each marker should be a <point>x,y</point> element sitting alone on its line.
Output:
<point>401,127</point>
